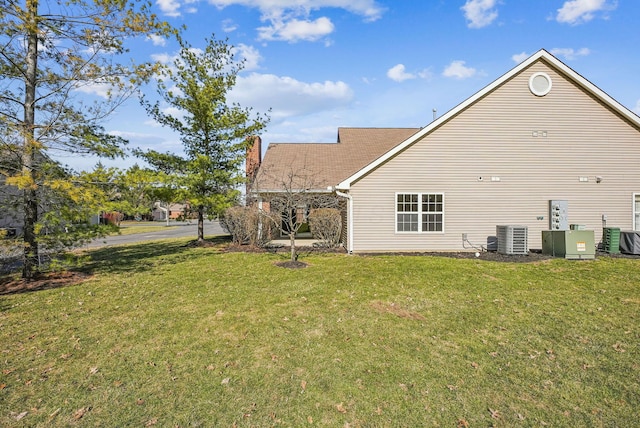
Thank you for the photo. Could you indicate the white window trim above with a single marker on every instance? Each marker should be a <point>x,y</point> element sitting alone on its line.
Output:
<point>543,92</point>
<point>419,212</point>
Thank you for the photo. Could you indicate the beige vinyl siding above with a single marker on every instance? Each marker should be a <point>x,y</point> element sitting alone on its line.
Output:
<point>494,138</point>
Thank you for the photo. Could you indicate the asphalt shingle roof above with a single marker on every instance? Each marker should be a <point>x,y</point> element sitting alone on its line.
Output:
<point>319,165</point>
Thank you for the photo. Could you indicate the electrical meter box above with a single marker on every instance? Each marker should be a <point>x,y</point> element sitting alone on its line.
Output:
<point>558,219</point>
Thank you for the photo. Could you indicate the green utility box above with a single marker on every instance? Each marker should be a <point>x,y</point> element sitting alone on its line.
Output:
<point>611,240</point>
<point>570,244</point>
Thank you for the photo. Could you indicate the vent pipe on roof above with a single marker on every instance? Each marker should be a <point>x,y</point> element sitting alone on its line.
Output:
<point>435,114</point>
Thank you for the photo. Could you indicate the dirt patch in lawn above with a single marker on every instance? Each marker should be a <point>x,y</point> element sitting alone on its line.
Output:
<point>397,310</point>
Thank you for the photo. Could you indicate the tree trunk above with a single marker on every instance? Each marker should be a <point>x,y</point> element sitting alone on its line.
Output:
<point>292,238</point>
<point>29,150</point>
<point>200,223</point>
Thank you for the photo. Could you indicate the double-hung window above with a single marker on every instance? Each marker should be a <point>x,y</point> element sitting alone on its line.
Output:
<point>419,212</point>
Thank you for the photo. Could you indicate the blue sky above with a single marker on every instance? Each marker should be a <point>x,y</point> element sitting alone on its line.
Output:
<point>322,64</point>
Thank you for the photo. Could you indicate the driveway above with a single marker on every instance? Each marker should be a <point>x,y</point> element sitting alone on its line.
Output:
<point>177,230</point>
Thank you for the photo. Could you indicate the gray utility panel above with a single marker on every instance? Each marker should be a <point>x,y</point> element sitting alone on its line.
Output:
<point>558,218</point>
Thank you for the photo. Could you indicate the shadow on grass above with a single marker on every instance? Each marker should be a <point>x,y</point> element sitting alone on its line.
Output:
<point>144,256</point>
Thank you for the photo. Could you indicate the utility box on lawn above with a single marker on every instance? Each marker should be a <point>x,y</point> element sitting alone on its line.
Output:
<point>570,244</point>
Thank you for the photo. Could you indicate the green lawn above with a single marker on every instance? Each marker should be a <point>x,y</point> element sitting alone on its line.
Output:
<point>133,227</point>
<point>168,335</point>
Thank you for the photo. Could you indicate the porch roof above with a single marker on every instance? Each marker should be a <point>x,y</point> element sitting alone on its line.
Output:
<point>317,166</point>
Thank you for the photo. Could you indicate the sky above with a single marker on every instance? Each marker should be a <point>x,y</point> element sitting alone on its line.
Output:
<point>317,65</point>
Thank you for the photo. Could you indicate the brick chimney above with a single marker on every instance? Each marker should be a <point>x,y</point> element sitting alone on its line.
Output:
<point>254,159</point>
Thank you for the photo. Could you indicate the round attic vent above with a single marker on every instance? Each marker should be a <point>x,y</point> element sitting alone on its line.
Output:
<point>540,84</point>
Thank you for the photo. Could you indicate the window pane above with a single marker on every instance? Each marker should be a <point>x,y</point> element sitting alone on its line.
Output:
<point>407,223</point>
<point>432,222</point>
<point>432,203</point>
<point>407,202</point>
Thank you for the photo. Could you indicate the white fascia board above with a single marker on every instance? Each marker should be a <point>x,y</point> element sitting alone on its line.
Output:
<point>306,191</point>
<point>593,89</point>
<point>569,72</point>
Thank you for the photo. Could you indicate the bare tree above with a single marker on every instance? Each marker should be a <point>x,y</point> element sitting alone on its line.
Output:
<point>288,196</point>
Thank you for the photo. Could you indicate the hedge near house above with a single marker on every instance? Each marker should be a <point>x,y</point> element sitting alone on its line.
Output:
<point>246,225</point>
<point>326,225</point>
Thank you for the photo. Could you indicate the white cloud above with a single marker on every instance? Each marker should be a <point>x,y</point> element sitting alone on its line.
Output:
<point>458,70</point>
<point>290,20</point>
<point>580,11</point>
<point>157,40</point>
<point>229,26</point>
<point>163,58</point>
<point>250,55</point>
<point>425,74</point>
<point>169,7</point>
<point>398,73</point>
<point>295,30</point>
<point>102,90</point>
<point>369,9</point>
<point>518,58</point>
<point>569,53</point>
<point>287,96</point>
<point>480,13</point>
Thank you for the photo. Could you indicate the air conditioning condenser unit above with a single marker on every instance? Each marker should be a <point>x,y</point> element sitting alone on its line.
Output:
<point>512,240</point>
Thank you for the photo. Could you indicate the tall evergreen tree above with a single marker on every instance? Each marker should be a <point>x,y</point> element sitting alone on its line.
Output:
<point>214,132</point>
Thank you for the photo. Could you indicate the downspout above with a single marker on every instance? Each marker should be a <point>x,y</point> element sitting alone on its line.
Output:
<point>260,218</point>
<point>349,219</point>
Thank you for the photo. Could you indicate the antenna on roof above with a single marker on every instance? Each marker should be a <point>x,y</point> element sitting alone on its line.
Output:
<point>435,114</point>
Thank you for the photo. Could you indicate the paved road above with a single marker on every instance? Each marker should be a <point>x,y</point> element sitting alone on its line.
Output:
<point>180,230</point>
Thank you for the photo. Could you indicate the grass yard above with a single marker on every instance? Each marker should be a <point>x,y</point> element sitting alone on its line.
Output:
<point>133,227</point>
<point>168,335</point>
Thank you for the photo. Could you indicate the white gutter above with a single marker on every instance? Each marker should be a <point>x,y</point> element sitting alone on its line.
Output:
<point>349,220</point>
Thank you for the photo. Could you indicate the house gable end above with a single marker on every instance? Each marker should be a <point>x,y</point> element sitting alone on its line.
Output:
<point>541,56</point>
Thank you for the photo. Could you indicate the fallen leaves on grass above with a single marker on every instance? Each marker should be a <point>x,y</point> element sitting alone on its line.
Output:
<point>44,281</point>
<point>618,347</point>
<point>462,424</point>
<point>340,407</point>
<point>79,414</point>
<point>495,414</point>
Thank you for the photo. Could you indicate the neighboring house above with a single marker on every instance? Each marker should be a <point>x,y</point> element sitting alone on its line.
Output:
<point>539,133</point>
<point>9,219</point>
<point>161,210</point>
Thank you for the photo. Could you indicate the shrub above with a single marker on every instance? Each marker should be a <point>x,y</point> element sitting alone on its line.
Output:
<point>326,226</point>
<point>247,225</point>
